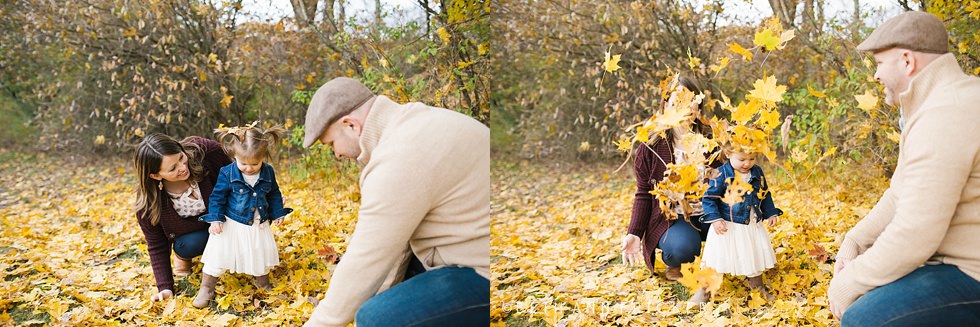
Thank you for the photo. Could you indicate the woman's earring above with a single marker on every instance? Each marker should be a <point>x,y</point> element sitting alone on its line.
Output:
<point>160,186</point>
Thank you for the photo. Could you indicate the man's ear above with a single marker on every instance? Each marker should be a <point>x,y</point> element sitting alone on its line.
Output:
<point>910,62</point>
<point>350,122</point>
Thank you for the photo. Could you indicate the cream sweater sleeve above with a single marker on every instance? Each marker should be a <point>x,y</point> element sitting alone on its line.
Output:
<point>931,183</point>
<point>395,197</point>
<point>860,238</point>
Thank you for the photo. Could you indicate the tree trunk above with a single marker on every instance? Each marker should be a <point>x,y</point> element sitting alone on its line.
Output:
<point>785,10</point>
<point>377,13</point>
<point>305,12</point>
<point>857,18</point>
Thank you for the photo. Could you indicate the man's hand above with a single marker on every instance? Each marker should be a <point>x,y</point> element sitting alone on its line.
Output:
<point>215,228</point>
<point>162,295</point>
<point>632,250</point>
<point>719,226</point>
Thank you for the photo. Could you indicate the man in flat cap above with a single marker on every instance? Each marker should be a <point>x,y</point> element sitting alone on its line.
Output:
<point>914,260</point>
<point>424,214</point>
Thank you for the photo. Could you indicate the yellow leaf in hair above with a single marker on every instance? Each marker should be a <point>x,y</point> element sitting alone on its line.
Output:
<point>745,110</point>
<point>739,50</point>
<point>767,90</point>
<point>867,101</point>
<point>768,119</point>
<point>766,39</point>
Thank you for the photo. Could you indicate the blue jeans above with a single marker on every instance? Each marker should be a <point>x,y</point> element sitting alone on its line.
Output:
<point>448,296</point>
<point>191,244</point>
<point>933,295</point>
<point>681,243</point>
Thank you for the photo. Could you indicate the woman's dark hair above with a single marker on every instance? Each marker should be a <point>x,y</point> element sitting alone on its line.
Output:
<point>150,197</point>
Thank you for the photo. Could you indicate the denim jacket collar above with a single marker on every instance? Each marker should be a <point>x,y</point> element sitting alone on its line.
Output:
<point>236,175</point>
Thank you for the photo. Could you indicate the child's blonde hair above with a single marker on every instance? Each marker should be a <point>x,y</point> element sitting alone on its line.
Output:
<point>248,141</point>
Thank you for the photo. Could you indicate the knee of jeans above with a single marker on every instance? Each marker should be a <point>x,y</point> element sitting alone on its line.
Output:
<point>370,314</point>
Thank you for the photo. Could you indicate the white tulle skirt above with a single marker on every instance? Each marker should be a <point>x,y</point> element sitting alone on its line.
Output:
<point>744,250</point>
<point>240,248</point>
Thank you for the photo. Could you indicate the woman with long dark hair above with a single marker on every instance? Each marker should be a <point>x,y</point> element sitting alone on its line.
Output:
<point>175,182</point>
<point>649,228</point>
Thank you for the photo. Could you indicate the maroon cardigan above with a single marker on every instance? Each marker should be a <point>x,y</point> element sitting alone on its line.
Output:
<point>160,238</point>
<point>647,220</point>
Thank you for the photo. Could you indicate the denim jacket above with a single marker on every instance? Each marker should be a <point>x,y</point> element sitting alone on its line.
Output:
<point>715,208</point>
<point>232,197</point>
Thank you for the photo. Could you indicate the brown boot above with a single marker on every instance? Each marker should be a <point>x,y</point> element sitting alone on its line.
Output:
<point>182,267</point>
<point>206,292</point>
<point>756,283</point>
<point>263,282</point>
<point>700,297</point>
<point>673,273</point>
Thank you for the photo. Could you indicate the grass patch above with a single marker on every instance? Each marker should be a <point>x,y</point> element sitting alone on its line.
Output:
<point>14,117</point>
<point>523,321</point>
<point>26,316</point>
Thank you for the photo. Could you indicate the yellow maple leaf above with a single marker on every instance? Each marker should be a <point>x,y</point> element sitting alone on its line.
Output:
<point>867,101</point>
<point>643,132</point>
<point>767,90</point>
<point>766,39</point>
<point>696,277</point>
<point>623,144</point>
<point>611,63</point>
<point>737,188</point>
<point>815,92</point>
<point>693,62</point>
<point>768,119</point>
<point>226,101</point>
<point>721,65</point>
<point>745,110</point>
<point>738,49</point>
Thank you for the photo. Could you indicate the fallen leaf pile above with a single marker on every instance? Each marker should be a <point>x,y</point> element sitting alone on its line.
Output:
<point>555,251</point>
<point>71,252</point>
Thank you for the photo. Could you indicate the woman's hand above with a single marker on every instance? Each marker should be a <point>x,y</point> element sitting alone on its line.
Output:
<point>632,250</point>
<point>162,295</point>
<point>719,226</point>
<point>215,228</point>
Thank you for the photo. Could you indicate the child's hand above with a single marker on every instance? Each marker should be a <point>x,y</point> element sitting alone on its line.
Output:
<point>279,221</point>
<point>772,221</point>
<point>215,228</point>
<point>719,227</point>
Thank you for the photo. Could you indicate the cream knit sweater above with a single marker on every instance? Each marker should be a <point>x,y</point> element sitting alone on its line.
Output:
<point>930,213</point>
<point>425,187</point>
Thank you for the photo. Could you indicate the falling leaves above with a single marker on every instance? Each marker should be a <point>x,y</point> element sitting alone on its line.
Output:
<point>611,64</point>
<point>766,39</point>
<point>698,277</point>
<point>767,90</point>
<point>739,50</point>
<point>555,243</point>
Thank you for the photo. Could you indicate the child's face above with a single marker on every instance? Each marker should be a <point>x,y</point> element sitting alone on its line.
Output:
<point>743,162</point>
<point>248,166</point>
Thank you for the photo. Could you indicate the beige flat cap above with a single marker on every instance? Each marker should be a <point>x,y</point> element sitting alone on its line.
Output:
<point>336,98</point>
<point>913,30</point>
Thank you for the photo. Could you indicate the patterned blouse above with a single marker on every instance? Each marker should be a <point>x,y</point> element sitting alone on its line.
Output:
<point>190,203</point>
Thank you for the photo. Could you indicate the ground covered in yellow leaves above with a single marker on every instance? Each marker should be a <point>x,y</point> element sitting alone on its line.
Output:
<point>71,252</point>
<point>556,258</point>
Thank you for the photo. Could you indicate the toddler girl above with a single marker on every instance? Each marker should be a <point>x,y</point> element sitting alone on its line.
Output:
<point>245,199</point>
<point>737,242</point>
